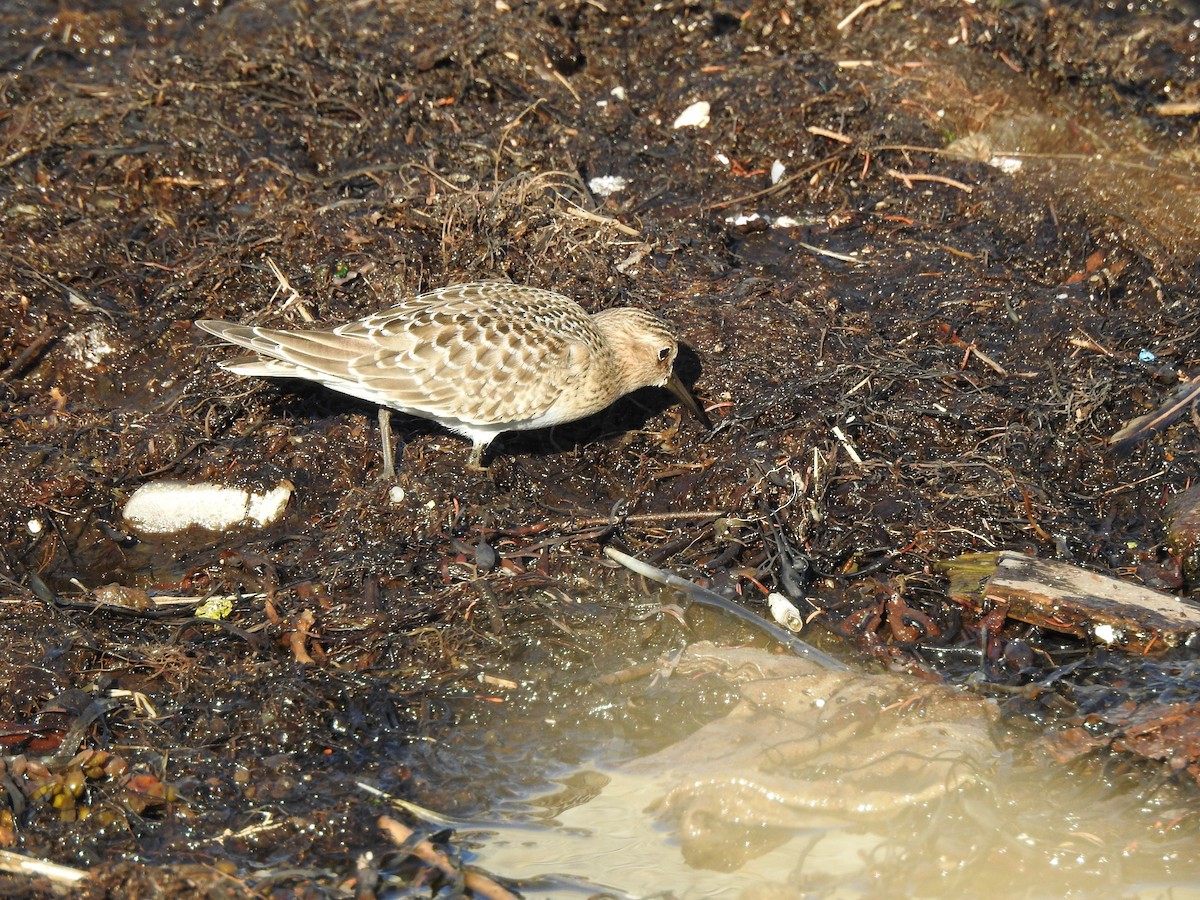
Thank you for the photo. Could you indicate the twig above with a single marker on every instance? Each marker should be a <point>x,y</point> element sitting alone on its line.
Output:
<point>449,185</point>
<point>1027,499</point>
<point>292,295</point>
<point>1087,342</point>
<point>421,812</point>
<point>426,852</point>
<point>706,597</point>
<point>1176,109</point>
<point>563,81</point>
<point>698,515</point>
<point>781,184</point>
<point>581,213</point>
<point>909,178</point>
<point>507,129</point>
<point>588,529</point>
<point>845,442</point>
<point>1144,426</point>
<point>629,674</point>
<point>41,868</point>
<point>842,256</point>
<point>30,353</point>
<point>972,350</point>
<point>858,11</point>
<point>832,135</point>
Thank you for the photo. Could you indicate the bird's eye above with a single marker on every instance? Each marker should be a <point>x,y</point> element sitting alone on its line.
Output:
<point>664,354</point>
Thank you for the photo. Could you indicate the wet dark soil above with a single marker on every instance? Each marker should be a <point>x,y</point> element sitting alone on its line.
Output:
<point>924,358</point>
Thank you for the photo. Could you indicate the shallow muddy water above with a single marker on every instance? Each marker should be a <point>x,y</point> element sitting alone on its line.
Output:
<point>928,805</point>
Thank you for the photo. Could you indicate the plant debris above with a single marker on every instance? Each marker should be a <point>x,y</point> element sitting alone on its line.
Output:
<point>910,354</point>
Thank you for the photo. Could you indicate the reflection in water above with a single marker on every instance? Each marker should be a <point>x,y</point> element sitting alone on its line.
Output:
<point>856,785</point>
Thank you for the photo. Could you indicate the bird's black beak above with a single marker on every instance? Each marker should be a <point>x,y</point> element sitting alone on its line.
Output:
<point>677,387</point>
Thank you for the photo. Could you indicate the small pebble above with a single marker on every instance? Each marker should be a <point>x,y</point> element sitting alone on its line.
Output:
<point>695,116</point>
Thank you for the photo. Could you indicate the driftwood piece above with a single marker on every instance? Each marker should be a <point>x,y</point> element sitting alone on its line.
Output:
<point>1076,601</point>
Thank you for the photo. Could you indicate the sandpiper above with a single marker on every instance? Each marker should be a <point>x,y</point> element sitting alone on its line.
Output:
<point>479,359</point>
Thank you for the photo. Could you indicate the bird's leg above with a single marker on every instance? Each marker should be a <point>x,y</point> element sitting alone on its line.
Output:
<point>475,461</point>
<point>385,434</point>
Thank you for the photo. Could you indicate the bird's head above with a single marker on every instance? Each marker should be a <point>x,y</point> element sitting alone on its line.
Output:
<point>645,349</point>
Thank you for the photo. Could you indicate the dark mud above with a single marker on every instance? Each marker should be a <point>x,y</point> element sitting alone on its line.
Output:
<point>989,332</point>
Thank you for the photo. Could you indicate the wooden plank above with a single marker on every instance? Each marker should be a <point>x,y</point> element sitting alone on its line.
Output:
<point>1077,601</point>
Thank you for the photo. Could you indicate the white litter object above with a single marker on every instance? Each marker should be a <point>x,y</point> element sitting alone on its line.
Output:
<point>742,220</point>
<point>606,185</point>
<point>90,345</point>
<point>165,507</point>
<point>695,116</point>
<point>784,611</point>
<point>777,170</point>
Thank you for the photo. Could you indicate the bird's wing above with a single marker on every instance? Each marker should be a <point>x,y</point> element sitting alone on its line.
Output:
<point>486,352</point>
<point>437,359</point>
<point>445,305</point>
<point>470,373</point>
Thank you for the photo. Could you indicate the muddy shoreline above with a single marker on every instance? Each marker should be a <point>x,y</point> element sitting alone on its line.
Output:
<point>911,352</point>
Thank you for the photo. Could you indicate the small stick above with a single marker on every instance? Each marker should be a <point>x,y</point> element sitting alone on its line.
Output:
<point>27,356</point>
<point>1038,529</point>
<point>698,515</point>
<point>1087,342</point>
<point>504,132</point>
<point>832,135</point>
<point>969,350</point>
<point>426,852</point>
<point>1176,109</point>
<point>909,178</point>
<point>1144,426</point>
<point>781,184</point>
<point>581,213</point>
<point>292,295</point>
<point>842,256</point>
<point>845,442</point>
<point>858,11</point>
<point>972,350</point>
<point>41,868</point>
<point>709,598</point>
<point>632,673</point>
